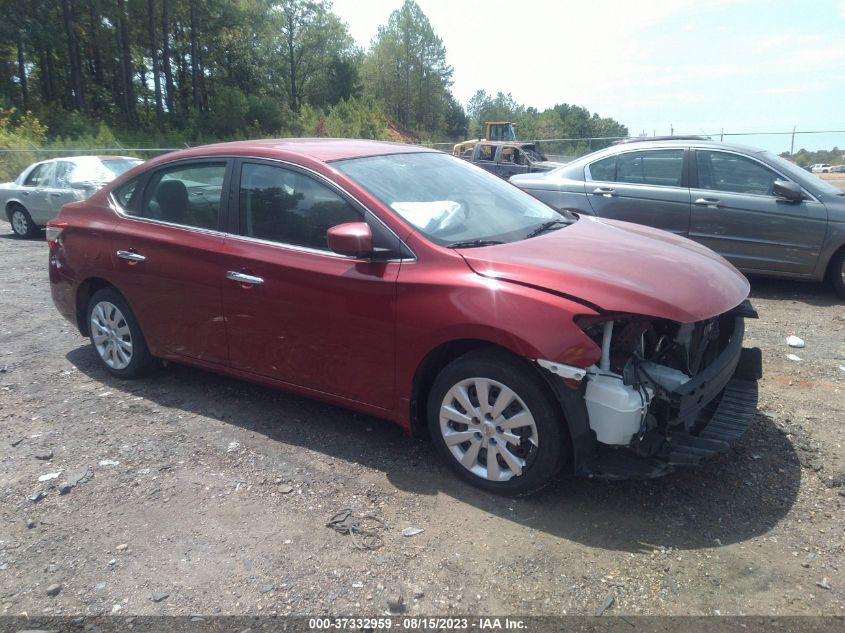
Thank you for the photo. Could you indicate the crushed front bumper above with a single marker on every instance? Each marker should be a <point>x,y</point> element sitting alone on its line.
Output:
<point>707,415</point>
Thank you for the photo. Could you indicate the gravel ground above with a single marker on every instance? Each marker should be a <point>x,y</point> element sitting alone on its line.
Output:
<point>203,494</point>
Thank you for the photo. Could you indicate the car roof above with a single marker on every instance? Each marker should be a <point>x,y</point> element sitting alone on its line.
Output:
<point>321,149</point>
<point>649,143</point>
<point>86,158</point>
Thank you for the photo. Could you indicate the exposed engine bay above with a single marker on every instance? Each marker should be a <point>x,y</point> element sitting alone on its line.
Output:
<point>670,391</point>
<point>643,362</point>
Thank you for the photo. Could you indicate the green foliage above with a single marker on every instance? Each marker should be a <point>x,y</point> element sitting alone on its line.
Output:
<point>406,71</point>
<point>805,157</point>
<point>354,119</point>
<point>562,121</point>
<point>18,132</point>
<point>266,115</point>
<point>457,122</point>
<point>230,69</point>
<point>228,114</point>
<point>306,123</point>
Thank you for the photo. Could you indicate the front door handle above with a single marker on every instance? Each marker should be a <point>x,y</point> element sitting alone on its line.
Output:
<point>56,194</point>
<point>604,191</point>
<point>707,202</point>
<point>130,256</point>
<point>243,278</point>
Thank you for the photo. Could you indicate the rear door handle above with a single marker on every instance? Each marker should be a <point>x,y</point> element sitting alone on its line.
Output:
<point>604,191</point>
<point>243,278</point>
<point>56,194</point>
<point>707,202</point>
<point>130,256</point>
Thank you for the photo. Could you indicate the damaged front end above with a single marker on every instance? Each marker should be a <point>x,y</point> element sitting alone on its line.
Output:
<point>663,395</point>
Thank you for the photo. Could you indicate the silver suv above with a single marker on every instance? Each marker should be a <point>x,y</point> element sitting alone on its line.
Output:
<point>764,214</point>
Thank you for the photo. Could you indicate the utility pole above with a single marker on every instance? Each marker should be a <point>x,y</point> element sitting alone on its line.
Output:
<point>792,145</point>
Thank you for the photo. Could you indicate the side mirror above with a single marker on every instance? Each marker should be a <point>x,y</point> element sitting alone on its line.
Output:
<point>788,190</point>
<point>354,239</point>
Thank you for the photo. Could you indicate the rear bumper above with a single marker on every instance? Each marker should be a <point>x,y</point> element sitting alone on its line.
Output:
<point>62,289</point>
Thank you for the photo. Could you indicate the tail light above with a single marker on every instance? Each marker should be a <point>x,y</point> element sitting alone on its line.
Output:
<point>54,231</point>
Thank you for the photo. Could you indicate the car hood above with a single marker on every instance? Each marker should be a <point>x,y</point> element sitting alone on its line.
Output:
<point>619,267</point>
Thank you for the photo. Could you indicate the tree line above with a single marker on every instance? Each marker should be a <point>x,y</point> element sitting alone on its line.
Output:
<point>167,71</point>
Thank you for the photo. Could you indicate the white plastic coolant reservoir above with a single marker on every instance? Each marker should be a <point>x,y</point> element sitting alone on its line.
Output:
<point>616,410</point>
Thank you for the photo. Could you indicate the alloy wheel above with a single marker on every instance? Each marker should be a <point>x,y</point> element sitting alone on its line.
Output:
<point>20,223</point>
<point>488,429</point>
<point>111,335</point>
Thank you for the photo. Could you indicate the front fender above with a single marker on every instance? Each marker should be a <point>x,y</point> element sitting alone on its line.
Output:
<point>834,240</point>
<point>435,309</point>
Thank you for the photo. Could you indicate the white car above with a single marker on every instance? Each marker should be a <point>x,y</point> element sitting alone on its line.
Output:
<point>820,168</point>
<point>42,189</point>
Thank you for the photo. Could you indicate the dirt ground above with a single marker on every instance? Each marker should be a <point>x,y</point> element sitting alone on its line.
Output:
<point>209,495</point>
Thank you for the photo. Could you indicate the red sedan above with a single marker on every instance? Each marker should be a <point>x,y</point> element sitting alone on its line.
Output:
<point>411,285</point>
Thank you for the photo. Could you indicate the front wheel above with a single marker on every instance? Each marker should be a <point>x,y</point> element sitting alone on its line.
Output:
<point>495,423</point>
<point>837,273</point>
<point>116,336</point>
<point>22,223</point>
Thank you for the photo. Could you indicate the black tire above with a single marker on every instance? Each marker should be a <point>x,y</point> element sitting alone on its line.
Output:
<point>836,273</point>
<point>541,463</point>
<point>140,360</point>
<point>22,224</point>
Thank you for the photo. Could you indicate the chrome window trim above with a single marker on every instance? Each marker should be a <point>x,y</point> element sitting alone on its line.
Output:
<point>294,247</point>
<point>751,158</point>
<point>302,249</point>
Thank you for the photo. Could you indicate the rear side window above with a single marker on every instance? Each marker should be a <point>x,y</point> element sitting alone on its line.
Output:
<point>721,171</point>
<point>659,167</point>
<point>662,168</point>
<point>39,176</point>
<point>284,206</point>
<point>64,172</point>
<point>187,194</point>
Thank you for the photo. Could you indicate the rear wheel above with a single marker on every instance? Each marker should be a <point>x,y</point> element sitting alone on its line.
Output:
<point>22,223</point>
<point>495,423</point>
<point>116,336</point>
<point>837,273</point>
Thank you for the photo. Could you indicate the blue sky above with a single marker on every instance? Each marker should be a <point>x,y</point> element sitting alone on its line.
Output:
<point>697,67</point>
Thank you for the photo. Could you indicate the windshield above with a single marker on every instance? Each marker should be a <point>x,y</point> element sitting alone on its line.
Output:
<point>450,201</point>
<point>801,175</point>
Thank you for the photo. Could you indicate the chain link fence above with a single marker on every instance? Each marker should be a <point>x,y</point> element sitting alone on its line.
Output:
<point>567,149</point>
<point>14,160</point>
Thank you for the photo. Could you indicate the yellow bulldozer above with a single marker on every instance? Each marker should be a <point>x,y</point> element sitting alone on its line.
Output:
<point>494,131</point>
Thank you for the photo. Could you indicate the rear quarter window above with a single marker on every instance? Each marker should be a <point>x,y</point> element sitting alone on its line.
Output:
<point>126,194</point>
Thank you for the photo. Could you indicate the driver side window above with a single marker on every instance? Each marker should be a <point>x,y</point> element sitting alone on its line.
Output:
<point>721,171</point>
